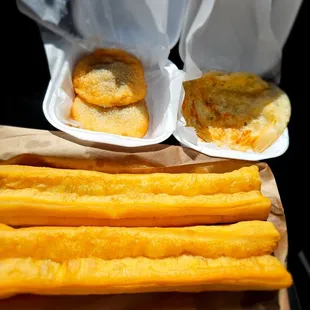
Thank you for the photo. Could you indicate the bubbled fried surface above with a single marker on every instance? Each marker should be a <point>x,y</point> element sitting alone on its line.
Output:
<point>135,275</point>
<point>240,240</point>
<point>45,195</point>
<point>82,182</point>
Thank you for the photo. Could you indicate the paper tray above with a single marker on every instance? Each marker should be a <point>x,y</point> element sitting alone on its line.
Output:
<point>38,147</point>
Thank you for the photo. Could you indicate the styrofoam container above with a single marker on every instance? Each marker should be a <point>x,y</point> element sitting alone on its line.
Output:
<point>163,99</point>
<point>238,35</point>
<point>147,29</point>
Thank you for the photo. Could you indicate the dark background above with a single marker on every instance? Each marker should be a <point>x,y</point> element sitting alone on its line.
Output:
<point>25,74</point>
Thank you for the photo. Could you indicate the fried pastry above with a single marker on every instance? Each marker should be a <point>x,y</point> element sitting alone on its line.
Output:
<point>109,78</point>
<point>135,275</point>
<point>49,196</point>
<point>91,183</point>
<point>241,240</point>
<point>238,110</point>
<point>130,120</point>
<point>32,206</point>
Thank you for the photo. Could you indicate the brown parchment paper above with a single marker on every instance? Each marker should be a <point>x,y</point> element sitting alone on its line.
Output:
<point>56,149</point>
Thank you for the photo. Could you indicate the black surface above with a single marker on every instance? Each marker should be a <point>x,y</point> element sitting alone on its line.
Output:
<point>25,75</point>
<point>24,71</point>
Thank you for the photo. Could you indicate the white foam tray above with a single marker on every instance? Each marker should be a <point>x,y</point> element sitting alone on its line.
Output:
<point>187,137</point>
<point>163,99</point>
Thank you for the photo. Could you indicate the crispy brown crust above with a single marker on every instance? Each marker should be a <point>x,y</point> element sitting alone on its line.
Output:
<point>109,77</point>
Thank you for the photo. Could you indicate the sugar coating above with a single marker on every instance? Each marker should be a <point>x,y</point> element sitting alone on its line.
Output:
<point>109,77</point>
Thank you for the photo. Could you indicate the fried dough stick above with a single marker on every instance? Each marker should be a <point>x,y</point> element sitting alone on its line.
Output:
<point>135,275</point>
<point>32,207</point>
<point>241,240</point>
<point>82,182</point>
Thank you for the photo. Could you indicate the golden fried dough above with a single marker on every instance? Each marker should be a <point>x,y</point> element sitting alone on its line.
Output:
<point>133,209</point>
<point>240,240</point>
<point>238,110</point>
<point>135,275</point>
<point>109,77</point>
<point>130,120</point>
<point>35,195</point>
<point>257,213</point>
<point>83,182</point>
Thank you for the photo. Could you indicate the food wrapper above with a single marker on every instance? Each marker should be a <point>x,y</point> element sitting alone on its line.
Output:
<point>236,35</point>
<point>44,148</point>
<point>147,29</point>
